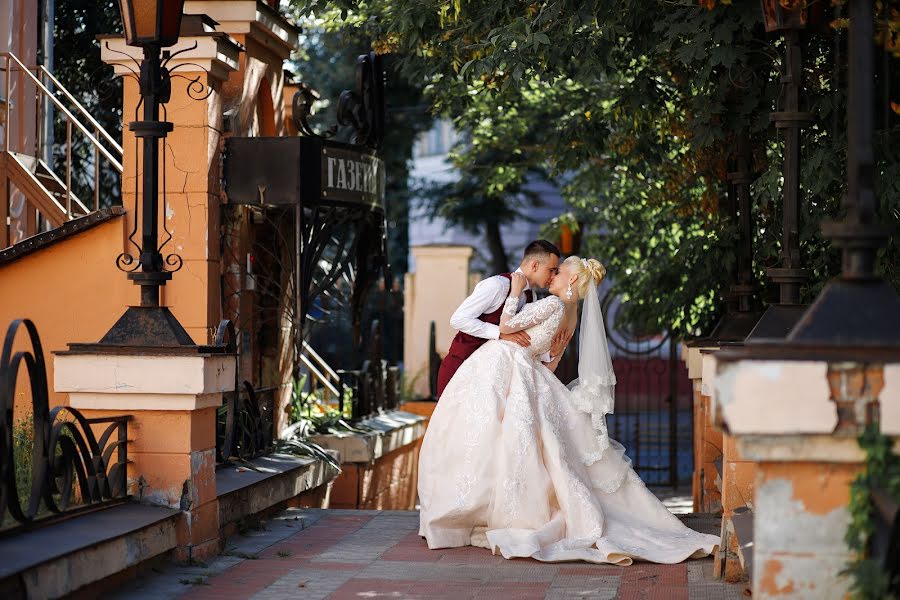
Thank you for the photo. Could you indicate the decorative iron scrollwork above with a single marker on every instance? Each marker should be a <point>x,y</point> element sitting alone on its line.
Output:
<point>244,421</point>
<point>303,107</point>
<point>362,108</point>
<point>68,461</point>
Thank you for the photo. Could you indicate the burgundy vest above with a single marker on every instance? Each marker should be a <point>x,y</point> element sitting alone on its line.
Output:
<point>463,344</point>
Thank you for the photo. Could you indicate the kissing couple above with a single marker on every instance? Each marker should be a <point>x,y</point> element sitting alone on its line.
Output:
<point>515,461</point>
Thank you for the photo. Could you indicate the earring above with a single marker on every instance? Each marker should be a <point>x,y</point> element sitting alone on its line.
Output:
<point>569,292</point>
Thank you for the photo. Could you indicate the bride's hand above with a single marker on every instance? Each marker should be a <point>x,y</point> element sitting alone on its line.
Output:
<point>517,284</point>
<point>560,341</point>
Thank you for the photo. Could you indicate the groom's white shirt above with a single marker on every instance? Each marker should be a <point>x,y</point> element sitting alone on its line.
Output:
<point>488,296</point>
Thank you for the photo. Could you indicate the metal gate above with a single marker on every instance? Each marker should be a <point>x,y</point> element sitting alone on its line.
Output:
<point>653,415</point>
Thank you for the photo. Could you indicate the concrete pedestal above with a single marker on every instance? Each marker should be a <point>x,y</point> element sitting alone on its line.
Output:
<point>172,434</point>
<point>798,421</point>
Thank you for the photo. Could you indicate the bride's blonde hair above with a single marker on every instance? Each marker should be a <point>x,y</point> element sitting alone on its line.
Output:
<point>588,270</point>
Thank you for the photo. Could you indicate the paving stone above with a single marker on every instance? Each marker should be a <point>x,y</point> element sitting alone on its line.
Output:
<point>306,583</point>
<point>338,554</point>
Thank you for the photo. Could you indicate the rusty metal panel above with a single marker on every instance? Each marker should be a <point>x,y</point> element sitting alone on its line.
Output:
<point>304,170</point>
<point>263,170</point>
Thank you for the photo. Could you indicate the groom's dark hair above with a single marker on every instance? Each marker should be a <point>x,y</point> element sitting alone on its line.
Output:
<point>540,248</point>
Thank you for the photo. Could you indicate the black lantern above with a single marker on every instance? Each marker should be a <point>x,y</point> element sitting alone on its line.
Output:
<point>780,15</point>
<point>151,22</point>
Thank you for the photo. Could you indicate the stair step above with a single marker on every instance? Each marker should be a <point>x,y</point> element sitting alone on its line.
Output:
<point>57,234</point>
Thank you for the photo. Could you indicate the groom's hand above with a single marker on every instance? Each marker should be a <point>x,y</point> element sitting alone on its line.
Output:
<point>519,337</point>
<point>560,341</point>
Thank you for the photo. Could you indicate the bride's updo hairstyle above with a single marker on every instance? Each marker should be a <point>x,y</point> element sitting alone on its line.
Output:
<point>590,271</point>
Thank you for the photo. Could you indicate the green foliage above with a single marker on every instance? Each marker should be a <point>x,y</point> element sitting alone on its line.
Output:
<point>77,65</point>
<point>637,117</point>
<point>882,470</point>
<point>23,451</point>
<point>315,415</point>
<point>327,62</point>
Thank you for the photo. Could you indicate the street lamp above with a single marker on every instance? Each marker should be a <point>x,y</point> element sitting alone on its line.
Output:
<point>150,25</point>
<point>151,22</point>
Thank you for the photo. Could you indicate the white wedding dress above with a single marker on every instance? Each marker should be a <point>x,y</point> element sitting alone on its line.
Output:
<point>515,461</point>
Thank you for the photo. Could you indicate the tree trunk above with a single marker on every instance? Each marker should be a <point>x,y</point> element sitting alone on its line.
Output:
<point>499,261</point>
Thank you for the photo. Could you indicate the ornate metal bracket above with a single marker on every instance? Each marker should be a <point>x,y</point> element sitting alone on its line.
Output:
<point>362,108</point>
<point>155,79</point>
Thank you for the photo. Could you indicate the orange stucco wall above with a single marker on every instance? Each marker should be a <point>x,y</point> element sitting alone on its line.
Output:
<point>72,291</point>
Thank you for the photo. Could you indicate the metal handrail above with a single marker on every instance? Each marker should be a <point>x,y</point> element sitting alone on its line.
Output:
<point>69,116</point>
<point>318,375</point>
<point>332,374</point>
<point>97,126</point>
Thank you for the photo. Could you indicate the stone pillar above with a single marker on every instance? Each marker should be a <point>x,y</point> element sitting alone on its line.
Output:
<point>707,439</point>
<point>172,399</point>
<point>798,420</point>
<point>436,289</point>
<point>736,486</point>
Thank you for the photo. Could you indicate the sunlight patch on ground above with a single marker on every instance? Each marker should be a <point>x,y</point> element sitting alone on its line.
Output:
<point>679,502</point>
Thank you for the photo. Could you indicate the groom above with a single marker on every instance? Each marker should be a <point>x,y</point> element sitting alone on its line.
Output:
<point>478,317</point>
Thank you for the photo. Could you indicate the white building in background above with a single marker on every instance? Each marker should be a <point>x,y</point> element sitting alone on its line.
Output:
<point>430,164</point>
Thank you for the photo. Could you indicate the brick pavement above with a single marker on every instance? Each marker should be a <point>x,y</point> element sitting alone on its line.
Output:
<point>344,554</point>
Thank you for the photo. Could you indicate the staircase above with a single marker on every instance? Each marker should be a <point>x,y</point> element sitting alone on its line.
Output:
<point>49,199</point>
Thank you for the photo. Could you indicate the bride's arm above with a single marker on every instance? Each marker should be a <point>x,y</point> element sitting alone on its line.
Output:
<point>531,315</point>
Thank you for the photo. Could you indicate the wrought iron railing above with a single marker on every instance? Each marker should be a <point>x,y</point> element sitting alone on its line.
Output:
<point>60,462</point>
<point>322,376</point>
<point>59,189</point>
<point>377,384</point>
<point>244,424</point>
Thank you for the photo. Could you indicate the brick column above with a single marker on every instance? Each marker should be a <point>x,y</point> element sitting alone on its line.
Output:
<point>798,421</point>
<point>172,435</point>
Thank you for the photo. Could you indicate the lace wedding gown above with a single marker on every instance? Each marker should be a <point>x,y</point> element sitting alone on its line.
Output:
<point>514,461</point>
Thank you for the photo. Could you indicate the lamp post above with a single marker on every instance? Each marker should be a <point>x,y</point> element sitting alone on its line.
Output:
<point>787,17</point>
<point>150,25</point>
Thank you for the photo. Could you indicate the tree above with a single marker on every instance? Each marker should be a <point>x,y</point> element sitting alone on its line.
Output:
<point>656,95</point>
<point>327,62</point>
<point>77,65</point>
<point>495,160</point>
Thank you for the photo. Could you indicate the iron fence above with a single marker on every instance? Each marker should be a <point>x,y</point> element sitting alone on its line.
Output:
<point>57,462</point>
<point>244,422</point>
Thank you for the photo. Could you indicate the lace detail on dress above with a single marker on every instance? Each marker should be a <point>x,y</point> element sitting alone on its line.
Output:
<point>520,410</point>
<point>535,313</point>
<point>511,306</point>
<point>595,397</point>
<point>477,415</point>
<point>540,320</point>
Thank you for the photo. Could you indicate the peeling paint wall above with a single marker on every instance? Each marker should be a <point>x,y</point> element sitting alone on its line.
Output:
<point>800,522</point>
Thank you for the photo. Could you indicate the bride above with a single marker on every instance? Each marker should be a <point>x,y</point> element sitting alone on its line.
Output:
<point>515,461</point>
